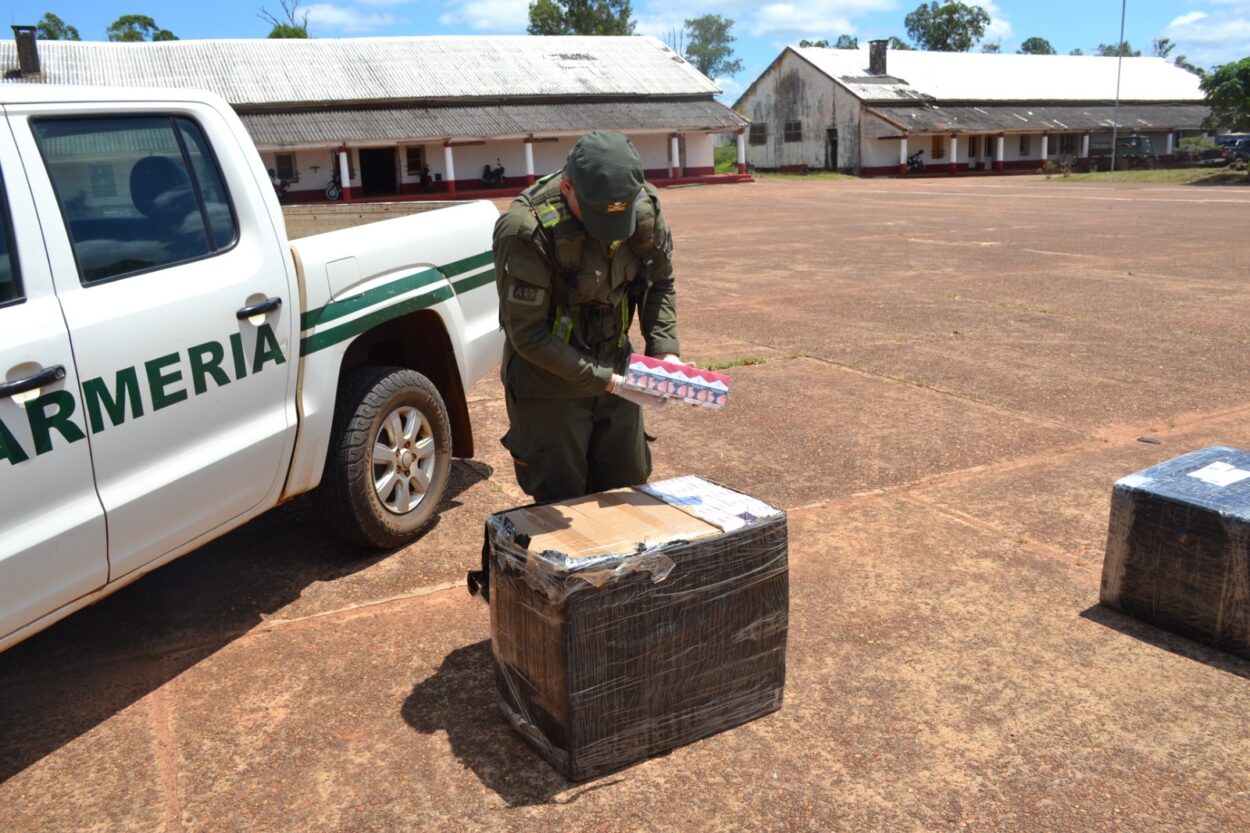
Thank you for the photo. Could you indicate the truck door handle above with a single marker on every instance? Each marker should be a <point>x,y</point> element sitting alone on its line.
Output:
<point>28,383</point>
<point>260,308</point>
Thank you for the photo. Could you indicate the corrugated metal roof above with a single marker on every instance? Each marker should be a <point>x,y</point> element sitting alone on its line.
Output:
<point>977,76</point>
<point>1014,118</point>
<point>467,122</point>
<point>326,70</point>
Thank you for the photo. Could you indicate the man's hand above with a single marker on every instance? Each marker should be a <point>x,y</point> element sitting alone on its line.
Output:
<point>671,357</point>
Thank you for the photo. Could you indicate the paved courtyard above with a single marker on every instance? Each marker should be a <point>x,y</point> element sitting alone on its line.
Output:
<point>940,380</point>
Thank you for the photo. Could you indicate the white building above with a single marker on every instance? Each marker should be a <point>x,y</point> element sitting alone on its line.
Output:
<point>384,108</point>
<point>866,110</point>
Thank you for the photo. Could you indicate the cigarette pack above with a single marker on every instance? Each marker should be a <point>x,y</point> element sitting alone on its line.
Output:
<point>682,382</point>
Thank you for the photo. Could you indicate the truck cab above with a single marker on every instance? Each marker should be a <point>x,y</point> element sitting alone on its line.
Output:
<point>172,366</point>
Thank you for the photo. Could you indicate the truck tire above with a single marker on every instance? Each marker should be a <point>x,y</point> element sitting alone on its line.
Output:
<point>389,459</point>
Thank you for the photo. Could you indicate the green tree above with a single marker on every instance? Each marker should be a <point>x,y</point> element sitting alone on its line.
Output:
<point>896,42</point>
<point>1227,88</point>
<point>846,42</point>
<point>581,17</point>
<point>1077,51</point>
<point>51,27</point>
<point>948,27</point>
<point>130,28</point>
<point>993,48</point>
<point>1161,47</point>
<point>1125,49</point>
<point>709,46</point>
<point>1184,63</point>
<point>1036,46</point>
<point>822,43</point>
<point>292,24</point>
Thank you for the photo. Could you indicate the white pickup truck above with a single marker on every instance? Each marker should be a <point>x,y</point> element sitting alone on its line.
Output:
<point>171,365</point>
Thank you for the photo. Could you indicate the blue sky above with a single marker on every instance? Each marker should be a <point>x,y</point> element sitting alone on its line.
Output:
<point>1209,32</point>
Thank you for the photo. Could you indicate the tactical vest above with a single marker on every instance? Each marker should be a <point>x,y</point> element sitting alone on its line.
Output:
<point>592,307</point>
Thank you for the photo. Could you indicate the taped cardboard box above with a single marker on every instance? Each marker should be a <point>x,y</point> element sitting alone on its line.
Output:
<point>630,622</point>
<point>1178,548</point>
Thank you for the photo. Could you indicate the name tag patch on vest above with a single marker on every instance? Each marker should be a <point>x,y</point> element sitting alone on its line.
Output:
<point>530,296</point>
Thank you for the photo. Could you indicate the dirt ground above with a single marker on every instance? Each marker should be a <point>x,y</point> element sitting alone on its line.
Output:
<point>947,378</point>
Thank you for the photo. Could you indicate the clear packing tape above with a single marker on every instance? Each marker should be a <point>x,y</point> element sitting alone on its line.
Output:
<point>605,660</point>
<point>1178,547</point>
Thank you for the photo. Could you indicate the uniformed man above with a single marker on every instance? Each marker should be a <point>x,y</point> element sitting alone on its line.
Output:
<point>577,256</point>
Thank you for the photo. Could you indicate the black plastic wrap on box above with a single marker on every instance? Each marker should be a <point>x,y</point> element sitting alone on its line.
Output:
<point>602,661</point>
<point>1178,550</point>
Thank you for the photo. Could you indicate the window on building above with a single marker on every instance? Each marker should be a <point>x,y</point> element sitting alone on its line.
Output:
<point>171,206</point>
<point>974,146</point>
<point>758,134</point>
<point>103,182</point>
<point>794,131</point>
<point>414,159</point>
<point>284,166</point>
<point>1024,144</point>
<point>937,148</point>
<point>1067,144</point>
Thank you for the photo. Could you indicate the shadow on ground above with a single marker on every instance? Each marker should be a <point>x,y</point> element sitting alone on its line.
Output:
<point>1170,642</point>
<point>460,700</point>
<point>61,683</point>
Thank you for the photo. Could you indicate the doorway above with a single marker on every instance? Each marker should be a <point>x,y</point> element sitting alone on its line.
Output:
<point>831,149</point>
<point>377,172</point>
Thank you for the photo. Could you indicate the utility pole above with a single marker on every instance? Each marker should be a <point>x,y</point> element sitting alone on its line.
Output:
<point>1119,62</point>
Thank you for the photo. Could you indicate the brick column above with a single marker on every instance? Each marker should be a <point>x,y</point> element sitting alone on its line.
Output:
<point>529,161</point>
<point>902,156</point>
<point>998,153</point>
<point>742,152</point>
<point>345,176</point>
<point>954,151</point>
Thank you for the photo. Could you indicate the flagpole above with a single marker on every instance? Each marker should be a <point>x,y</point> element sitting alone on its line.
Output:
<point>1119,62</point>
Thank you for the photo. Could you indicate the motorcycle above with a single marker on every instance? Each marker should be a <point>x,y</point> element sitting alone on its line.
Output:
<point>493,175</point>
<point>334,190</point>
<point>915,165</point>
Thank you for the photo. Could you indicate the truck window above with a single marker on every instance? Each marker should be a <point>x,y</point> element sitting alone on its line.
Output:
<point>136,193</point>
<point>10,280</point>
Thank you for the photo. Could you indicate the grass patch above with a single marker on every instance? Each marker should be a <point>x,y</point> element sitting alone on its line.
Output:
<point>1169,176</point>
<point>726,364</point>
<point>726,158</point>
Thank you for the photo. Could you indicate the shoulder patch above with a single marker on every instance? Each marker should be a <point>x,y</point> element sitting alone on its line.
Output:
<point>551,214</point>
<point>526,295</point>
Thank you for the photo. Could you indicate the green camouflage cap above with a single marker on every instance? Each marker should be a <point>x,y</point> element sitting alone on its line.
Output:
<point>606,174</point>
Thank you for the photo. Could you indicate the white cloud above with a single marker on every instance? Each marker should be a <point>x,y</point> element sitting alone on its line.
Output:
<point>511,16</point>
<point>1215,38</point>
<point>346,19</point>
<point>999,29</point>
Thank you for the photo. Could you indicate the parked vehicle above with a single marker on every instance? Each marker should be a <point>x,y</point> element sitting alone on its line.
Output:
<point>1131,152</point>
<point>1236,149</point>
<point>493,175</point>
<point>172,366</point>
<point>280,185</point>
<point>915,165</point>
<point>334,190</point>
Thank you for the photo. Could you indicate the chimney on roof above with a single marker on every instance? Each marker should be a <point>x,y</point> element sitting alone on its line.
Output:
<point>27,50</point>
<point>876,56</point>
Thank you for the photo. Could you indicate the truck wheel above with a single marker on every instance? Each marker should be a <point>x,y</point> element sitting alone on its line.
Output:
<point>389,458</point>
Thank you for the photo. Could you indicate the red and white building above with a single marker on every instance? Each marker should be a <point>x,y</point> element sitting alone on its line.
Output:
<point>865,111</point>
<point>384,108</point>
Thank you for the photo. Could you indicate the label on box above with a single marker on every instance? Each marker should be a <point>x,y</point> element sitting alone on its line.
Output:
<point>675,381</point>
<point>717,505</point>
<point>1220,474</point>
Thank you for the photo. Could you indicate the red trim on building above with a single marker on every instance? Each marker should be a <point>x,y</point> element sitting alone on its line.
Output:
<point>707,171</point>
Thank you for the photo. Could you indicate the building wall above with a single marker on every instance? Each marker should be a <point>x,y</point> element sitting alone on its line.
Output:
<point>700,157</point>
<point>847,117</point>
<point>791,90</point>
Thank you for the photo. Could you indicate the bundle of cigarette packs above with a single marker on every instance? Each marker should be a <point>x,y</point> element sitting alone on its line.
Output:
<point>672,380</point>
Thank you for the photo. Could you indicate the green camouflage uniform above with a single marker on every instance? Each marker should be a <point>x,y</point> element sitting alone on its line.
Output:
<point>566,302</point>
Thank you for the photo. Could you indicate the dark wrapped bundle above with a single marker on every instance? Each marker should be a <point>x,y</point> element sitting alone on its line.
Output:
<point>628,623</point>
<point>1178,552</point>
